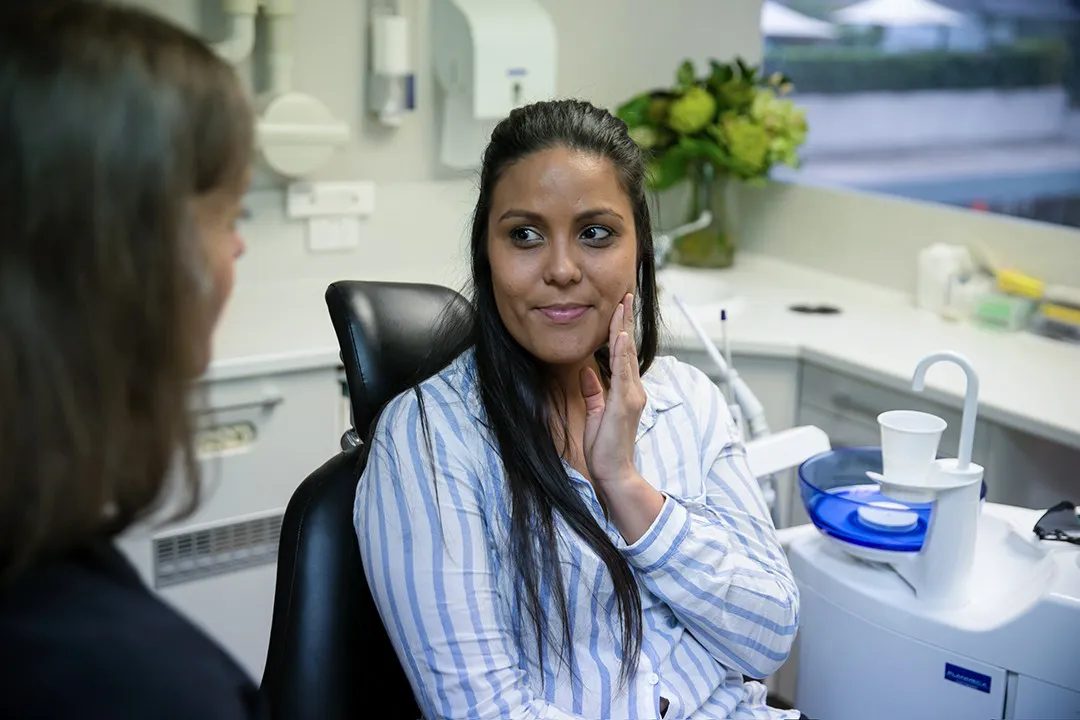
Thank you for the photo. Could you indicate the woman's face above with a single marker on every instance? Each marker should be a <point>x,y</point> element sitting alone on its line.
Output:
<point>216,214</point>
<point>563,251</point>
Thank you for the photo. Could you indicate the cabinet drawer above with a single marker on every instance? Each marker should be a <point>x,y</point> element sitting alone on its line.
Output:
<point>846,408</point>
<point>774,381</point>
<point>258,438</point>
<point>842,431</point>
<point>860,402</point>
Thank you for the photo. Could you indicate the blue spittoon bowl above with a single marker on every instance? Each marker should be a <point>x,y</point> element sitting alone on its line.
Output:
<point>843,502</point>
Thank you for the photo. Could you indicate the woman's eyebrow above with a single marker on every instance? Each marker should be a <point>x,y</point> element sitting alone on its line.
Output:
<point>536,217</point>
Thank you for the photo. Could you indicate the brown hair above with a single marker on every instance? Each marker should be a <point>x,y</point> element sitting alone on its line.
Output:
<point>111,122</point>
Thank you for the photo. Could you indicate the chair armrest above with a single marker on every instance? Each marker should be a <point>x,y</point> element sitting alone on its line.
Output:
<point>785,449</point>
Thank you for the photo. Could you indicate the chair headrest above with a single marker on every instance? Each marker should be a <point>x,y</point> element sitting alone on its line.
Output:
<point>386,331</point>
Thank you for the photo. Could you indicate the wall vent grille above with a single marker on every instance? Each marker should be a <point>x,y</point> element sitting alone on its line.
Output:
<point>216,551</point>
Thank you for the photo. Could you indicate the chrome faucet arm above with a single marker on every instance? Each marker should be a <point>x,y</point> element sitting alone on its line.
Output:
<point>663,243</point>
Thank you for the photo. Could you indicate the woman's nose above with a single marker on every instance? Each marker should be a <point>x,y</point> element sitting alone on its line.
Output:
<point>562,267</point>
<point>239,246</point>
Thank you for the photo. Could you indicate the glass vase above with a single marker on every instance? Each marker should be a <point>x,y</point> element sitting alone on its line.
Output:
<point>712,246</point>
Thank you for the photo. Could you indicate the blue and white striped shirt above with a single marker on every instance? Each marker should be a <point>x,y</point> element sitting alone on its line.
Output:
<point>718,598</point>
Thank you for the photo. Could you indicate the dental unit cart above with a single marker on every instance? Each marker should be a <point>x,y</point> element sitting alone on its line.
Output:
<point>921,601</point>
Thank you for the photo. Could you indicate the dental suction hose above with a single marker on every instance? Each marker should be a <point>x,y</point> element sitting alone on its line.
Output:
<point>751,407</point>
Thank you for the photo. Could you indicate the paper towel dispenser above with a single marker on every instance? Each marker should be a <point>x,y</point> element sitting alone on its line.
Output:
<point>490,57</point>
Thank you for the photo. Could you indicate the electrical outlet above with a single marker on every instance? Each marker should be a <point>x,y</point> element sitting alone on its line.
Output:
<point>330,199</point>
<point>333,234</point>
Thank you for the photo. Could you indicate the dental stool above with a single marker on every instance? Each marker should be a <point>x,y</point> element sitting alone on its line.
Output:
<point>329,656</point>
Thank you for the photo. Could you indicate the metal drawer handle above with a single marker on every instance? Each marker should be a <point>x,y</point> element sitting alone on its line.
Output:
<point>268,402</point>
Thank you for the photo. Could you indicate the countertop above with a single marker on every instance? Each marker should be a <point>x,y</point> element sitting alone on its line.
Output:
<point>1025,381</point>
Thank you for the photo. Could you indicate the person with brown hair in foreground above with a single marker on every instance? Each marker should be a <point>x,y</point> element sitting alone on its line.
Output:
<point>125,146</point>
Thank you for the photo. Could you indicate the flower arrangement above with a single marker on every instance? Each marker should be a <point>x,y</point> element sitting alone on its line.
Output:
<point>729,124</point>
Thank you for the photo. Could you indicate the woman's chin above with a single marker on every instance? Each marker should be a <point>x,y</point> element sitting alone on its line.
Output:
<point>565,355</point>
<point>201,356</point>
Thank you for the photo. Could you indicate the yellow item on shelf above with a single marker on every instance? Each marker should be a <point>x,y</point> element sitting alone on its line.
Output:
<point>1060,313</point>
<point>1015,282</point>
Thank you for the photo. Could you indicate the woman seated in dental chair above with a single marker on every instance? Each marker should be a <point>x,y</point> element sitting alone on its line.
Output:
<point>559,523</point>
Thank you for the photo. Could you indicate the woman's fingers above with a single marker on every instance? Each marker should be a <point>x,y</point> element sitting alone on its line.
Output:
<point>626,356</point>
<point>593,392</point>
<point>628,325</point>
<point>614,327</point>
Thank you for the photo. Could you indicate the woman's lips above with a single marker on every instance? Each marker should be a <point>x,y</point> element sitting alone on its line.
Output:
<point>563,314</point>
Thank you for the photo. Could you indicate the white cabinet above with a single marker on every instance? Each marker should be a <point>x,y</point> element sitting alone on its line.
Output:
<point>1030,471</point>
<point>258,438</point>
<point>773,379</point>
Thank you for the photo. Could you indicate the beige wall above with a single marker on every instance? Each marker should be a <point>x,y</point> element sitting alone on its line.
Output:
<point>608,49</point>
<point>877,238</point>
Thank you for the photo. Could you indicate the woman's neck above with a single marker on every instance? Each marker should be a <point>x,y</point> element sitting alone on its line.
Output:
<point>568,410</point>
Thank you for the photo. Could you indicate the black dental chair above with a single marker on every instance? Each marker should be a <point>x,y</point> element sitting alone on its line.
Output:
<point>329,656</point>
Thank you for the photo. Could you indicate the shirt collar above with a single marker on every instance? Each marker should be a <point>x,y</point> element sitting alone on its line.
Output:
<point>659,397</point>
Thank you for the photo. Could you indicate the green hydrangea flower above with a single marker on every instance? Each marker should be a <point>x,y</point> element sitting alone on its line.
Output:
<point>736,120</point>
<point>735,93</point>
<point>644,136</point>
<point>746,140</point>
<point>692,112</point>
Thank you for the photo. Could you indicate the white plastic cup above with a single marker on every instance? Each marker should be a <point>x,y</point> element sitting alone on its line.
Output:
<point>909,445</point>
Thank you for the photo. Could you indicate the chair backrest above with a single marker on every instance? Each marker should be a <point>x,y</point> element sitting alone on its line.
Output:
<point>386,334</point>
<point>329,656</point>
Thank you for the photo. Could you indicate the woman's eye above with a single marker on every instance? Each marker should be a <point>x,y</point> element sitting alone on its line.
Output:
<point>524,236</point>
<point>595,234</point>
<point>241,213</point>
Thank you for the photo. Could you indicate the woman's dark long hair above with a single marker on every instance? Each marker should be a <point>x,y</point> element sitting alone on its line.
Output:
<point>515,389</point>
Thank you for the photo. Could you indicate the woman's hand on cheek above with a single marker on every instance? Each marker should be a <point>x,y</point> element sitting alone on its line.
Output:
<point>611,423</point>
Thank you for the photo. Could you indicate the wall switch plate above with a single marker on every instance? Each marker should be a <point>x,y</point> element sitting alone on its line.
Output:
<point>333,234</point>
<point>330,199</point>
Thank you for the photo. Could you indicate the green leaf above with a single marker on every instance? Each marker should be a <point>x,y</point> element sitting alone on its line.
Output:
<point>720,158</point>
<point>702,149</point>
<point>748,73</point>
<point>719,74</point>
<point>668,169</point>
<point>633,111</point>
<point>685,75</point>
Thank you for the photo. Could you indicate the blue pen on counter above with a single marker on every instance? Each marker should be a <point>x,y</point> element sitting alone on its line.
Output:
<point>727,354</point>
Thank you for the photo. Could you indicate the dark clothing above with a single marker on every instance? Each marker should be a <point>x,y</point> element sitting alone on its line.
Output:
<point>83,637</point>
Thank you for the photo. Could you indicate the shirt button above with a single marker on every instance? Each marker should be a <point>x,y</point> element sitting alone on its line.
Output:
<point>653,678</point>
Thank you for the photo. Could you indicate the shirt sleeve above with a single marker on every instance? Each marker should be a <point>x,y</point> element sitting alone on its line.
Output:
<point>420,522</point>
<point>716,560</point>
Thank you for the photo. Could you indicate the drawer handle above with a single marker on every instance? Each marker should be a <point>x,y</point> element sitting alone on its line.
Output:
<point>846,402</point>
<point>268,402</point>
